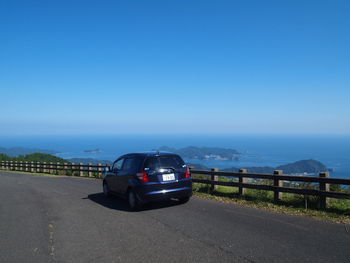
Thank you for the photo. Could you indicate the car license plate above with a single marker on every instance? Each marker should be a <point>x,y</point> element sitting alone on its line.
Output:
<point>168,177</point>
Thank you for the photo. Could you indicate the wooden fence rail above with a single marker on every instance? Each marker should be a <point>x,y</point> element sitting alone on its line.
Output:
<point>37,167</point>
<point>278,180</point>
<point>278,183</point>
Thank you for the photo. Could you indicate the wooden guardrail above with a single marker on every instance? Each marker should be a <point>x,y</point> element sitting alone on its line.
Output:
<point>278,180</point>
<point>278,183</point>
<point>77,169</point>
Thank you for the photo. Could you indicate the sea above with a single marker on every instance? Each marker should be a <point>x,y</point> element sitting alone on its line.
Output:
<point>257,150</point>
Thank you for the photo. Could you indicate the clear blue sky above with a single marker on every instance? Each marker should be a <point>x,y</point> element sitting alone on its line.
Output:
<point>85,67</point>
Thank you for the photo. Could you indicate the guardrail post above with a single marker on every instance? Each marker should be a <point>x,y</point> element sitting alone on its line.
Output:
<point>58,168</point>
<point>72,168</point>
<point>81,172</point>
<point>90,170</point>
<point>65,168</point>
<point>323,187</point>
<point>26,166</point>
<point>278,183</point>
<point>2,165</point>
<point>6,165</point>
<point>44,167</point>
<point>214,178</point>
<point>242,180</point>
<point>11,166</point>
<point>99,174</point>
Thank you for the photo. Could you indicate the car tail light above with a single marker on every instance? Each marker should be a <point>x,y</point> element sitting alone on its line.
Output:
<point>188,174</point>
<point>143,176</point>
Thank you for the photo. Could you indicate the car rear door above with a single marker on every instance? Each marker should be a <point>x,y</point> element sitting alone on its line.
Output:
<point>128,172</point>
<point>115,179</point>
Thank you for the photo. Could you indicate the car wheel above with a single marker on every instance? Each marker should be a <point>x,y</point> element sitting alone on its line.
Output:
<point>106,191</point>
<point>132,200</point>
<point>184,200</point>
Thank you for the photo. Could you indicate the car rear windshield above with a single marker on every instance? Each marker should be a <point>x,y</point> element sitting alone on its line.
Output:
<point>165,161</point>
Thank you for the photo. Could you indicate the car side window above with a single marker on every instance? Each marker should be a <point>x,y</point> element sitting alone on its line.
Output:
<point>131,164</point>
<point>117,166</point>
<point>128,164</point>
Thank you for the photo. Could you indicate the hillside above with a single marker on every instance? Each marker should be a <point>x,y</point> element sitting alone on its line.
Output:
<point>305,166</point>
<point>16,151</point>
<point>34,157</point>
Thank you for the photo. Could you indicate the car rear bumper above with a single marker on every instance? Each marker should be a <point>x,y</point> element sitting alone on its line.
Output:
<point>158,192</point>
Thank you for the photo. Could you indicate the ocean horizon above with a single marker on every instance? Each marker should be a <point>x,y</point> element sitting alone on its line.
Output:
<point>257,150</point>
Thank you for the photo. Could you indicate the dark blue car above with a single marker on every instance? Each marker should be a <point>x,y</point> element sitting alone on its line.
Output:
<point>150,176</point>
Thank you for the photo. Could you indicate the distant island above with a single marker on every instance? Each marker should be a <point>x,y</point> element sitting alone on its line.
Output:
<point>299,167</point>
<point>92,151</point>
<point>88,160</point>
<point>204,153</point>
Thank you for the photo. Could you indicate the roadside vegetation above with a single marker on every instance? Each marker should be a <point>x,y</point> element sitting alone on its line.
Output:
<point>34,157</point>
<point>338,210</point>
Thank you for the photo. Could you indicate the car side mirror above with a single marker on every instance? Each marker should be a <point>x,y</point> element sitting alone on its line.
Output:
<point>107,169</point>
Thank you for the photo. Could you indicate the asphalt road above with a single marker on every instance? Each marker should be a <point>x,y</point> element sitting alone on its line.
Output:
<point>66,219</point>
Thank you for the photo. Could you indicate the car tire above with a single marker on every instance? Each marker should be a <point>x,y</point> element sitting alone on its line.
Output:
<point>184,200</point>
<point>106,191</point>
<point>132,200</point>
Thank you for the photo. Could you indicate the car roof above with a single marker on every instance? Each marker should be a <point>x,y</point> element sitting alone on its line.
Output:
<point>150,153</point>
<point>147,154</point>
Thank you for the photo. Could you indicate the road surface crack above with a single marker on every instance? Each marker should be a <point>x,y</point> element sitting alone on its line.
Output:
<point>207,243</point>
<point>51,241</point>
